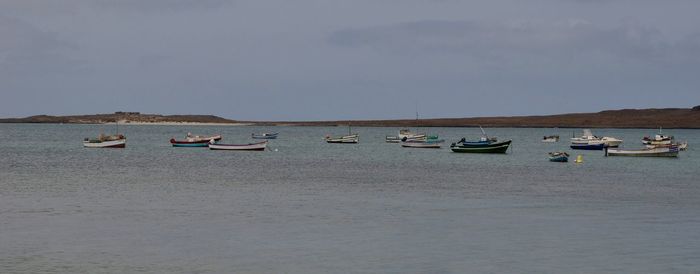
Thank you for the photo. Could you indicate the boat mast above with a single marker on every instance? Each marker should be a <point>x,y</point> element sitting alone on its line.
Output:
<point>483,132</point>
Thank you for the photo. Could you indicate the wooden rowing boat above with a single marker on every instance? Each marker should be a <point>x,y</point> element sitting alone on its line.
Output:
<point>253,146</point>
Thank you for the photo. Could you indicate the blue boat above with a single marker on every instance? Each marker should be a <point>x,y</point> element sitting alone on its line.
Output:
<point>589,146</point>
<point>561,157</point>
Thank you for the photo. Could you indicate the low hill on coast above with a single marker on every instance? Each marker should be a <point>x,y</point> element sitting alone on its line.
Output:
<point>122,117</point>
<point>624,118</point>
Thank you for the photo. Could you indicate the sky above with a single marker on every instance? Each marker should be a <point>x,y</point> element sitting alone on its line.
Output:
<point>343,59</point>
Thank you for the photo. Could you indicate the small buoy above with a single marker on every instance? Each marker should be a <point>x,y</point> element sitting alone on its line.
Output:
<point>276,150</point>
<point>579,159</point>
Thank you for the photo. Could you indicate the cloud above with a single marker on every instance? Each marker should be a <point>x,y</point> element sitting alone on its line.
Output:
<point>25,48</point>
<point>562,40</point>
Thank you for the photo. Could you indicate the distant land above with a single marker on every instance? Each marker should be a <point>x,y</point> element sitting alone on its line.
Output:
<point>624,118</point>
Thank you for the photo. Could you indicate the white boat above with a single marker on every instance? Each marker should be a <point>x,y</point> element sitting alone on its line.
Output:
<point>392,139</point>
<point>408,135</point>
<point>590,139</point>
<point>197,138</point>
<point>611,141</point>
<point>659,139</point>
<point>653,152</point>
<point>253,146</point>
<point>347,139</point>
<point>105,143</point>
<point>351,138</point>
<point>681,146</point>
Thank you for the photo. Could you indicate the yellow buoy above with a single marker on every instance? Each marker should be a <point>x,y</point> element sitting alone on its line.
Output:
<point>579,159</point>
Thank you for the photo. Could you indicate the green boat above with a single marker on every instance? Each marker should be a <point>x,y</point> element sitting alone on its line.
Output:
<point>481,147</point>
<point>485,144</point>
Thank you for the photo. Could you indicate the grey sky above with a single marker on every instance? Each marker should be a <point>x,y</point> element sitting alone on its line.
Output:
<point>360,59</point>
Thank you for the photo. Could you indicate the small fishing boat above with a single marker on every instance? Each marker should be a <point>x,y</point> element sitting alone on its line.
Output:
<point>484,145</point>
<point>194,141</point>
<point>423,144</point>
<point>251,146</point>
<point>598,145</point>
<point>176,143</point>
<point>560,157</point>
<point>611,141</point>
<point>408,135</point>
<point>658,139</point>
<point>590,139</point>
<point>481,147</point>
<point>420,138</point>
<point>653,152</point>
<point>198,138</point>
<point>392,139</point>
<point>681,146</point>
<point>106,141</point>
<point>347,139</point>
<point>550,139</point>
<point>351,138</point>
<point>264,135</point>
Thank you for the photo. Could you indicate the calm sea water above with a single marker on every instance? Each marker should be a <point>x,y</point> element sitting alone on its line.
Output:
<point>310,207</point>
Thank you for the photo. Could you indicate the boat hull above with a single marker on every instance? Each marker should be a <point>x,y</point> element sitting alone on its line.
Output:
<point>600,146</point>
<point>655,152</point>
<point>342,141</point>
<point>250,147</point>
<point>498,147</point>
<point>106,144</point>
<point>198,143</point>
<point>349,139</point>
<point>426,144</point>
<point>205,144</point>
<point>560,157</point>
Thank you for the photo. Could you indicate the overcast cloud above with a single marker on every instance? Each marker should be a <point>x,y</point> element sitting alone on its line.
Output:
<point>301,60</point>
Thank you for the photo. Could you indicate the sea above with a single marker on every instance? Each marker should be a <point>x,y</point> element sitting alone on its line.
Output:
<point>305,206</point>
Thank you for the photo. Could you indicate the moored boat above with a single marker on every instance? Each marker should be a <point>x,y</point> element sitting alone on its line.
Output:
<point>347,139</point>
<point>252,146</point>
<point>599,145</point>
<point>198,138</point>
<point>201,143</point>
<point>481,147</point>
<point>658,139</point>
<point>264,135</point>
<point>434,143</point>
<point>194,141</point>
<point>653,152</point>
<point>351,138</point>
<point>392,139</point>
<point>590,139</point>
<point>106,141</point>
<point>550,139</point>
<point>561,157</point>
<point>681,146</point>
<point>406,134</point>
<point>484,145</point>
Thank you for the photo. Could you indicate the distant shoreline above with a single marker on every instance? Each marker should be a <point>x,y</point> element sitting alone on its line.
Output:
<point>679,118</point>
